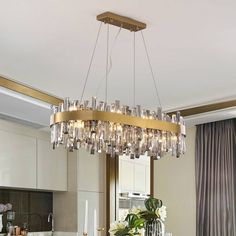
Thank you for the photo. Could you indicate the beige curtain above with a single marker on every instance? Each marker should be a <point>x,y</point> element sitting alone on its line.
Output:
<point>215,174</point>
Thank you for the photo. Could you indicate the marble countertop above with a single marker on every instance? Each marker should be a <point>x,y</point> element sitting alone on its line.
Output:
<point>49,234</point>
<point>55,234</point>
<point>39,234</point>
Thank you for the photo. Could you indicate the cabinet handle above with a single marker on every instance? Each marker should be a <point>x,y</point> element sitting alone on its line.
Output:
<point>100,229</point>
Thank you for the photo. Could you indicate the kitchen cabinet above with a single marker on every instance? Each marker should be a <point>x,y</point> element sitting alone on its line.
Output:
<point>148,179</point>
<point>95,201</point>
<point>28,162</point>
<point>126,174</point>
<point>51,167</point>
<point>17,160</point>
<point>139,178</point>
<point>91,169</point>
<point>134,175</point>
<point>86,181</point>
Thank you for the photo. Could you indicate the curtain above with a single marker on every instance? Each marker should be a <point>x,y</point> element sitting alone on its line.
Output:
<point>215,174</point>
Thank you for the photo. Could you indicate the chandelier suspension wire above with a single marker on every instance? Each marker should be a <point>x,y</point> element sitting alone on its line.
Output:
<point>110,64</point>
<point>134,71</point>
<point>115,128</point>
<point>90,63</point>
<point>150,67</point>
<point>107,62</point>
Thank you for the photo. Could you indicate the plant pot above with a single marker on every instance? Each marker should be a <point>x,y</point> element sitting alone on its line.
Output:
<point>1,223</point>
<point>155,228</point>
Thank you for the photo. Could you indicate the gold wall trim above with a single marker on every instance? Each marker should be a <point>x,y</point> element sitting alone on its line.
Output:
<point>116,118</point>
<point>28,91</point>
<point>206,108</point>
<point>121,21</point>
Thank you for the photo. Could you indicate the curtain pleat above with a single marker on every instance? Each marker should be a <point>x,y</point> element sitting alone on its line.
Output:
<point>215,174</point>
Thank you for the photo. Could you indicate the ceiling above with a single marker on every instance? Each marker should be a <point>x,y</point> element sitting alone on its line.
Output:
<point>47,44</point>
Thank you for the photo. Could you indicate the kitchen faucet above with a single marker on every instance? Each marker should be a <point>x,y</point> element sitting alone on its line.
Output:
<point>50,215</point>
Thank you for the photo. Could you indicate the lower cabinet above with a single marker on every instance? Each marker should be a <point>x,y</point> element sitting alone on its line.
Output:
<point>17,160</point>
<point>51,167</point>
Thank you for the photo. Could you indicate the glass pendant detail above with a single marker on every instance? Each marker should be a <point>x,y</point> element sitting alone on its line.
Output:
<point>119,136</point>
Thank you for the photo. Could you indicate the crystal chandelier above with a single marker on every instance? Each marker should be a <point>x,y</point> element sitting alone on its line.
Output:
<point>114,128</point>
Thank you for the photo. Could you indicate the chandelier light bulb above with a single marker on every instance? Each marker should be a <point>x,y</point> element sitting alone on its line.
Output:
<point>116,138</point>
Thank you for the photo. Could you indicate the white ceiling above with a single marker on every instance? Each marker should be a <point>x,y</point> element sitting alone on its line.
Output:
<point>47,44</point>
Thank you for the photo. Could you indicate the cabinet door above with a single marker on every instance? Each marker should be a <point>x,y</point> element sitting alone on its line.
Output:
<point>51,167</point>
<point>17,160</point>
<point>139,178</point>
<point>91,171</point>
<point>95,201</point>
<point>126,175</point>
<point>148,178</point>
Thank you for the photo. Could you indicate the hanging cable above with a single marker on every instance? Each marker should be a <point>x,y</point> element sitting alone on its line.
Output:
<point>110,64</point>
<point>90,63</point>
<point>134,75</point>
<point>107,58</point>
<point>150,66</point>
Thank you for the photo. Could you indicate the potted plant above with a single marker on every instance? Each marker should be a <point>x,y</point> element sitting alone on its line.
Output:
<point>140,221</point>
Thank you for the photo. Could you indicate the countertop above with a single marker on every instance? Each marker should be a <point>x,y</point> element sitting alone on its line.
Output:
<point>49,234</point>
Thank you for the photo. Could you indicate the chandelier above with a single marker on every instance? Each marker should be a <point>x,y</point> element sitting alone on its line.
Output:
<point>112,127</point>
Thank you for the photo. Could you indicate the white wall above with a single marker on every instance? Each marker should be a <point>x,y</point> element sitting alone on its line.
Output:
<point>175,186</point>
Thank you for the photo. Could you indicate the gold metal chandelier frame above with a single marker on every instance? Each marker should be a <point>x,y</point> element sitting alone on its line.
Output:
<point>86,115</point>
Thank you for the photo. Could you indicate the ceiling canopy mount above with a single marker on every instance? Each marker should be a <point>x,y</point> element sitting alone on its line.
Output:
<point>121,21</point>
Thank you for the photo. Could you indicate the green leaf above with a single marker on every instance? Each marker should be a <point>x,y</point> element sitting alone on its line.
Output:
<point>131,218</point>
<point>152,204</point>
<point>148,215</point>
<point>139,223</point>
<point>122,232</point>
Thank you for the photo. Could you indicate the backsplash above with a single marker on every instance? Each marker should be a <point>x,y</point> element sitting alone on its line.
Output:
<point>30,207</point>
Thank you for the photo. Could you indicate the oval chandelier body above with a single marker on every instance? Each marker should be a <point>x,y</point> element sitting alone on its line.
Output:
<point>117,129</point>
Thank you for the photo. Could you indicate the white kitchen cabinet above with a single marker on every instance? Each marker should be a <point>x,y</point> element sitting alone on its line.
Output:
<point>86,181</point>
<point>51,167</point>
<point>91,171</point>
<point>17,160</point>
<point>134,175</point>
<point>139,178</point>
<point>95,201</point>
<point>148,179</point>
<point>126,173</point>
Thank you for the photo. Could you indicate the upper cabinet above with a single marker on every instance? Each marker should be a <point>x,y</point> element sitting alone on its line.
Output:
<point>126,175</point>
<point>148,179</point>
<point>91,171</point>
<point>51,167</point>
<point>27,160</point>
<point>140,177</point>
<point>17,160</point>
<point>134,175</point>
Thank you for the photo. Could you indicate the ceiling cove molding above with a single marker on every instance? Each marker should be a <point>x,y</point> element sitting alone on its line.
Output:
<point>28,91</point>
<point>206,108</point>
<point>42,96</point>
